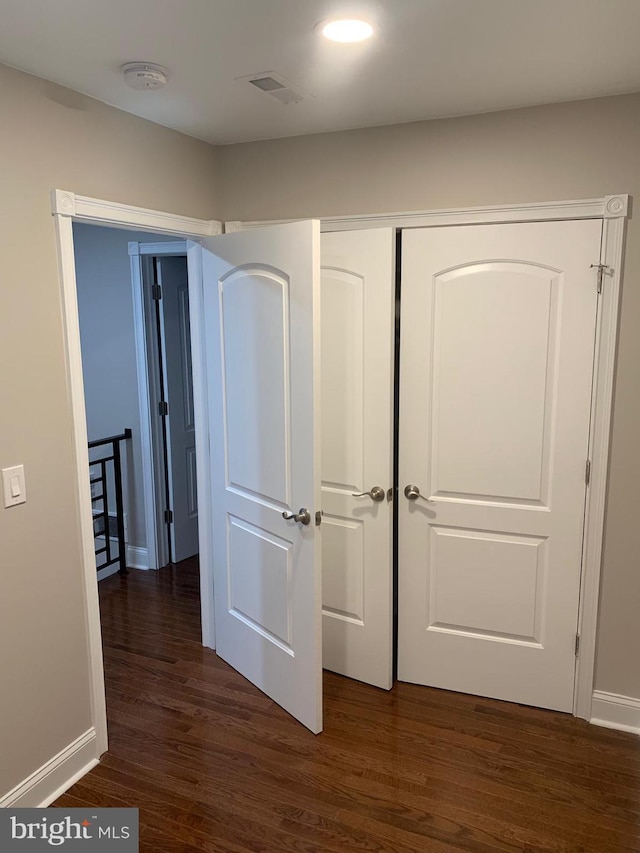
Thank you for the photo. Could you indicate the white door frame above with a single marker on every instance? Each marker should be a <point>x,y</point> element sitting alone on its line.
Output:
<point>614,210</point>
<point>67,208</point>
<point>150,434</point>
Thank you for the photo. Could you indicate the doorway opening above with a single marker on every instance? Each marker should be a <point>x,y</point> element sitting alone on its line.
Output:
<point>160,282</point>
<point>133,309</point>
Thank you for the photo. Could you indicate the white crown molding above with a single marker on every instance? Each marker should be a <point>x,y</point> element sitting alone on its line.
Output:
<point>56,776</point>
<point>608,207</point>
<point>66,203</point>
<point>616,712</point>
<point>591,208</point>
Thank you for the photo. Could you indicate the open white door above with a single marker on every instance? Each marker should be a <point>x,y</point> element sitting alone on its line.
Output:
<point>358,298</point>
<point>181,436</point>
<point>261,291</point>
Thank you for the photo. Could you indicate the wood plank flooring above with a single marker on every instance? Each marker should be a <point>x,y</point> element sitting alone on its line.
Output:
<point>214,765</point>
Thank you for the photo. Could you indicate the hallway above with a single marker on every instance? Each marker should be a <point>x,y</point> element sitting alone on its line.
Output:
<point>214,765</point>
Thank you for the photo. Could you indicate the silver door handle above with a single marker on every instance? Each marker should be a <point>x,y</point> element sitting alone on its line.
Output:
<point>303,516</point>
<point>376,493</point>
<point>412,493</point>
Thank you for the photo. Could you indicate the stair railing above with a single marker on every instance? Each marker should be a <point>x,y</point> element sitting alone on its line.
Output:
<point>100,500</point>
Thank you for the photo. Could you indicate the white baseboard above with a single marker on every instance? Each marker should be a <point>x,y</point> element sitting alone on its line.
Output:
<point>50,781</point>
<point>137,558</point>
<point>616,712</point>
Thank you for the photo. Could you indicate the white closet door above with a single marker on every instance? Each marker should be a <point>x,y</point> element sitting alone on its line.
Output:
<point>357,295</point>
<point>498,328</point>
<point>261,298</point>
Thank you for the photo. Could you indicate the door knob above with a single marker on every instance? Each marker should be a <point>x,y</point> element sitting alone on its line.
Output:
<point>376,493</point>
<point>412,493</point>
<point>303,516</point>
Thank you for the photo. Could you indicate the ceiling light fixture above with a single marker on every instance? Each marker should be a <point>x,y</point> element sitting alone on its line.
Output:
<point>144,76</point>
<point>347,31</point>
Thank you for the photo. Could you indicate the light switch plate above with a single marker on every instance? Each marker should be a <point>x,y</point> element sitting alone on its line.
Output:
<point>15,491</point>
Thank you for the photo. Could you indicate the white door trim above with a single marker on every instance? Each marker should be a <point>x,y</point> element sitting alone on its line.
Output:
<point>611,254</point>
<point>614,209</point>
<point>611,206</point>
<point>149,432</point>
<point>66,208</point>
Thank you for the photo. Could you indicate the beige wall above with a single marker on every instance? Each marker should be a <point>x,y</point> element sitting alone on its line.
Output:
<point>50,137</point>
<point>564,151</point>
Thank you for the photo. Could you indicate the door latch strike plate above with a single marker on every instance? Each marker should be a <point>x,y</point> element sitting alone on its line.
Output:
<point>319,518</point>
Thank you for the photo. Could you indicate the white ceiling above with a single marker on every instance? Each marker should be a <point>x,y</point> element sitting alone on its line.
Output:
<point>429,58</point>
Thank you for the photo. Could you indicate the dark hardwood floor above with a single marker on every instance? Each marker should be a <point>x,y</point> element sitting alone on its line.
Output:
<point>214,765</point>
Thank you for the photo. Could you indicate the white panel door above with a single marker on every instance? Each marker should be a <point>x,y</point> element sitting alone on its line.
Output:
<point>261,297</point>
<point>358,297</point>
<point>181,436</point>
<point>497,345</point>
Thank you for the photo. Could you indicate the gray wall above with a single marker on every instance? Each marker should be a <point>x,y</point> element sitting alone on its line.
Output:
<point>105,305</point>
<point>51,137</point>
<point>563,151</point>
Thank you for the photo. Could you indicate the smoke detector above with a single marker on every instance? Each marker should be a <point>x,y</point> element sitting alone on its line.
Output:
<point>275,85</point>
<point>144,76</point>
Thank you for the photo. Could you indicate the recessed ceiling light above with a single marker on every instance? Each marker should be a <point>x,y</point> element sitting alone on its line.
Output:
<point>347,30</point>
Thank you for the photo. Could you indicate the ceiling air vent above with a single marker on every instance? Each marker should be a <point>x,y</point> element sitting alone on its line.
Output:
<point>275,85</point>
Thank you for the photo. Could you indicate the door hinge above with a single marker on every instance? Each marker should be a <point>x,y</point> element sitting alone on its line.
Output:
<point>587,472</point>
<point>319,518</point>
<point>156,292</point>
<point>601,268</point>
<point>163,407</point>
<point>168,516</point>
<point>577,647</point>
